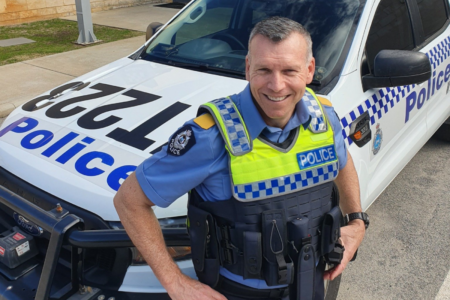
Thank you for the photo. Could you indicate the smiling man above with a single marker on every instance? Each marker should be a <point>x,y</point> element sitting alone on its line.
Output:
<point>260,168</point>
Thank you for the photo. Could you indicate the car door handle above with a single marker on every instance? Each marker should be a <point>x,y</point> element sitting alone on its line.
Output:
<point>360,131</point>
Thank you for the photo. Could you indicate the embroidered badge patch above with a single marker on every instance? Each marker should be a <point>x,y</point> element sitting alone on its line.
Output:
<point>181,141</point>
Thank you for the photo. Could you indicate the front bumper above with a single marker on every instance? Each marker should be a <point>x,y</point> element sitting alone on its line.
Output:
<point>65,231</point>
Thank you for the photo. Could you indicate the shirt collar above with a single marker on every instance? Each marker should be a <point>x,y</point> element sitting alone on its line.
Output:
<point>255,123</point>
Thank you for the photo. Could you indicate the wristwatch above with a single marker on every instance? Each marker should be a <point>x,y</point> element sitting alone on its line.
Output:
<point>357,215</point>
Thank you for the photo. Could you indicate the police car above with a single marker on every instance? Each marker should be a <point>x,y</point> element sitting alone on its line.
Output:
<point>385,66</point>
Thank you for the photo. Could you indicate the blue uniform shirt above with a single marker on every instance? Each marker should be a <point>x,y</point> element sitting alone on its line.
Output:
<point>164,178</point>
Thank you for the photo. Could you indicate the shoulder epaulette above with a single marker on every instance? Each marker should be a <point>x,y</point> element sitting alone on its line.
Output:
<point>324,101</point>
<point>205,121</point>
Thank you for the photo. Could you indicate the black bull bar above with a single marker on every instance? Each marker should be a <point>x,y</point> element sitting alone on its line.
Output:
<point>68,230</point>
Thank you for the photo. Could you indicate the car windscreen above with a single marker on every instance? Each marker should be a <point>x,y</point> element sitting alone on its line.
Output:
<point>212,35</point>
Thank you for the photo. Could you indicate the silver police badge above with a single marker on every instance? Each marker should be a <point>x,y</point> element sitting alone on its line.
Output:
<point>377,140</point>
<point>181,141</point>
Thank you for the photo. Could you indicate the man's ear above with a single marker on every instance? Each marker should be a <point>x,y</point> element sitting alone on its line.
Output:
<point>311,69</point>
<point>247,68</point>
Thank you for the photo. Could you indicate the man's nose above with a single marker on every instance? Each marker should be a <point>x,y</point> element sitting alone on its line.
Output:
<point>276,82</point>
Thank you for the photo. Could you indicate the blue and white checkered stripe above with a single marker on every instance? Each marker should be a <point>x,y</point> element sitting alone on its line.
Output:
<point>385,99</point>
<point>318,123</point>
<point>286,184</point>
<point>240,143</point>
<point>438,54</point>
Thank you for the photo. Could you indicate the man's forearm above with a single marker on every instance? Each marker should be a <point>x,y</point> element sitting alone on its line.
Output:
<point>143,228</point>
<point>348,185</point>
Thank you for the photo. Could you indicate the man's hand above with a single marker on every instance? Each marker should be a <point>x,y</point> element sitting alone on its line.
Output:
<point>351,237</point>
<point>186,288</point>
<point>352,234</point>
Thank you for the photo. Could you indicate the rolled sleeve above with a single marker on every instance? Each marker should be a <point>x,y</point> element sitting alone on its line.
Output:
<point>164,178</point>
<point>339,142</point>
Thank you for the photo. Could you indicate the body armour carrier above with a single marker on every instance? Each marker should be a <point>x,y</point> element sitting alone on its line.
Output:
<point>281,218</point>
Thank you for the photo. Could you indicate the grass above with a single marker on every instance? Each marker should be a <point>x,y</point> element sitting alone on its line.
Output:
<point>52,36</point>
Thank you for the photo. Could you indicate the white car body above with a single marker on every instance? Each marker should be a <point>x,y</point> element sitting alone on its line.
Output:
<point>402,121</point>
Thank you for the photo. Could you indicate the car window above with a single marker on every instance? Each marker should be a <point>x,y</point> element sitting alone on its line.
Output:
<point>391,29</point>
<point>433,15</point>
<point>212,35</point>
<point>216,18</point>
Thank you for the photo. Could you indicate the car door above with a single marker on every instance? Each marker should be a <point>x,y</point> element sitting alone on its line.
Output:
<point>399,117</point>
<point>432,15</point>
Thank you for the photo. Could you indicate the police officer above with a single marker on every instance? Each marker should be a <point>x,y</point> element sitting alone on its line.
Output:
<point>274,140</point>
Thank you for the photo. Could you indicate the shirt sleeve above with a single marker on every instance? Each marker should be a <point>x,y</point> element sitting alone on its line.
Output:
<point>165,177</point>
<point>339,142</point>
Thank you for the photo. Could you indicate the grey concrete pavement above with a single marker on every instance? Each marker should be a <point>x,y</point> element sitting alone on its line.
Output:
<point>135,18</point>
<point>23,81</point>
<point>405,254</point>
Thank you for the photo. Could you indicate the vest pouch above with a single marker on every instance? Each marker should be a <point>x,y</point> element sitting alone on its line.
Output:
<point>204,245</point>
<point>298,229</point>
<point>274,239</point>
<point>252,255</point>
<point>331,230</point>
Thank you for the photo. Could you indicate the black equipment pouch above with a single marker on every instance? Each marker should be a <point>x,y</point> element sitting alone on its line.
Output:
<point>276,270</point>
<point>306,273</point>
<point>331,230</point>
<point>205,253</point>
<point>335,256</point>
<point>298,229</point>
<point>252,255</point>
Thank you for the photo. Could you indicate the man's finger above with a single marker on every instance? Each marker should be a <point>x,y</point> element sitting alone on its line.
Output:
<point>333,273</point>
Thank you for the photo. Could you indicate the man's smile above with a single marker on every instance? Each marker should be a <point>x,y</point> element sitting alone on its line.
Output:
<point>276,99</point>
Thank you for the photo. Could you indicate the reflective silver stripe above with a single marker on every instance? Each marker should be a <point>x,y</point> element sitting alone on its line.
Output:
<point>318,123</point>
<point>234,125</point>
<point>286,184</point>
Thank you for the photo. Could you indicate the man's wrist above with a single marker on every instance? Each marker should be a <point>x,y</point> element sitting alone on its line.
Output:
<point>173,282</point>
<point>361,216</point>
<point>358,222</point>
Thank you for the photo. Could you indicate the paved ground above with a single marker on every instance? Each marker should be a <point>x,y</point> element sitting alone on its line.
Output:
<point>135,18</point>
<point>23,81</point>
<point>405,254</point>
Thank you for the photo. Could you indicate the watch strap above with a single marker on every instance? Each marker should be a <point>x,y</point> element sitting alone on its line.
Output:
<point>357,216</point>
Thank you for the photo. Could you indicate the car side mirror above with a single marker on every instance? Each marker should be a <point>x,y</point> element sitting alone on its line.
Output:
<point>397,68</point>
<point>152,29</point>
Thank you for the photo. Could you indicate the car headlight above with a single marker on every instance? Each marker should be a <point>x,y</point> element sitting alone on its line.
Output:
<point>176,252</point>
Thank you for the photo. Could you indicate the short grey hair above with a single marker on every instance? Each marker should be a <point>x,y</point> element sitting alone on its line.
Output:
<point>279,28</point>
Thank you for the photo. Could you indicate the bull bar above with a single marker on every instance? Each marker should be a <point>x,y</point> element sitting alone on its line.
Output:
<point>68,230</point>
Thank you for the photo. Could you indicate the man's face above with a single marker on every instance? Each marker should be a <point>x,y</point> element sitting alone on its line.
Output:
<point>278,74</point>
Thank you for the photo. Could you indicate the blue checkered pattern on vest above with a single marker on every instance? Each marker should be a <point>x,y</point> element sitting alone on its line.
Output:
<point>318,123</point>
<point>286,184</point>
<point>240,144</point>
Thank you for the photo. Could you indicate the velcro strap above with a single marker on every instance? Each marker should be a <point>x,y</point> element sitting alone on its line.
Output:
<point>282,269</point>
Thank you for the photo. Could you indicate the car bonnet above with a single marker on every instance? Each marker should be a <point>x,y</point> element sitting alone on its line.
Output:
<point>79,143</point>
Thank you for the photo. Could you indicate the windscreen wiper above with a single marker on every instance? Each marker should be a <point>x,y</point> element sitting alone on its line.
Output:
<point>204,68</point>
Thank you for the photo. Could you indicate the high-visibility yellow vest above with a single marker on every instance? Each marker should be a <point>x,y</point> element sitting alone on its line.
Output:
<point>261,170</point>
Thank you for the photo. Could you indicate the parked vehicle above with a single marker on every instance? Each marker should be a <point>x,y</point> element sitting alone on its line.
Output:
<point>384,64</point>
